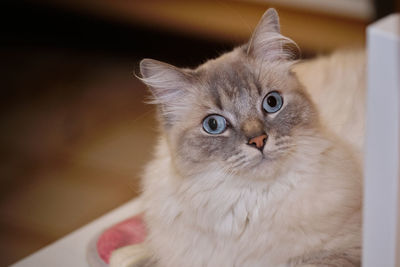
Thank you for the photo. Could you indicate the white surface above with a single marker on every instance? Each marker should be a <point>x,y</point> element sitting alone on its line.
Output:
<point>381,237</point>
<point>70,251</point>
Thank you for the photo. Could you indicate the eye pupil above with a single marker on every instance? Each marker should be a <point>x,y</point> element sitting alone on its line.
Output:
<point>213,124</point>
<point>271,100</point>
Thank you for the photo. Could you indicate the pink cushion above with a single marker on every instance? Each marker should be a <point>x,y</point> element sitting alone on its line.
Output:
<point>128,232</point>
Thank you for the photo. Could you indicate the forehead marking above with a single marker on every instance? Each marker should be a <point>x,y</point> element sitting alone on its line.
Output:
<point>216,97</point>
<point>235,88</point>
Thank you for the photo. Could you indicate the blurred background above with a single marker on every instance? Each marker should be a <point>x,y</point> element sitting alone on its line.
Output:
<point>75,132</point>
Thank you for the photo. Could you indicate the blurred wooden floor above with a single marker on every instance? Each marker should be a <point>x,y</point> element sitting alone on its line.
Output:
<point>75,149</point>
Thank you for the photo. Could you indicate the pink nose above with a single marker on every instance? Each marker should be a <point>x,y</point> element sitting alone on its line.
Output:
<point>258,141</point>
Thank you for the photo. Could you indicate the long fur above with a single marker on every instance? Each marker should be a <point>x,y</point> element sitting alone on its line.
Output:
<point>198,222</point>
<point>216,201</point>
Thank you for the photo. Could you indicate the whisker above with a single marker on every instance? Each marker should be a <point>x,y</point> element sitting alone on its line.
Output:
<point>240,164</point>
<point>233,159</point>
<point>281,148</point>
<point>280,142</point>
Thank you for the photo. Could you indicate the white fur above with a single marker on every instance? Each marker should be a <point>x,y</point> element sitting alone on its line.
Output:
<point>220,220</point>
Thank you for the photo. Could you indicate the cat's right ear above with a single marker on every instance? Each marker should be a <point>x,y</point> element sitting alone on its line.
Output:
<point>169,86</point>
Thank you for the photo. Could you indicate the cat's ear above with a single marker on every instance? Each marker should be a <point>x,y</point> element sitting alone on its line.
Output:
<point>168,84</point>
<point>267,43</point>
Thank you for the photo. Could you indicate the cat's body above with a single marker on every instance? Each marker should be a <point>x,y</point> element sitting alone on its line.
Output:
<point>224,198</point>
<point>336,84</point>
<point>249,222</point>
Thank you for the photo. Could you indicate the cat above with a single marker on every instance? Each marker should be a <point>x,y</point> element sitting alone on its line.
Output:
<point>245,171</point>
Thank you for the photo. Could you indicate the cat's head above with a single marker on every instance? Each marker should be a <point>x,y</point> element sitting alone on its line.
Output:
<point>244,112</point>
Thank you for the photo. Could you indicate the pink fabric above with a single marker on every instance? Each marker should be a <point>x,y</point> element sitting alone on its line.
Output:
<point>128,232</point>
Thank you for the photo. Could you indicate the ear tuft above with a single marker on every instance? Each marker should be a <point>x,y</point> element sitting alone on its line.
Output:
<point>148,67</point>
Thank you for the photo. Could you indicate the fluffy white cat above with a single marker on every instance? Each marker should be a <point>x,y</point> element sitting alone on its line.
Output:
<point>246,171</point>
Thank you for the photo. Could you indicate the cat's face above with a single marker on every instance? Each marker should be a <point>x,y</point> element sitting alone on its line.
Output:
<point>240,113</point>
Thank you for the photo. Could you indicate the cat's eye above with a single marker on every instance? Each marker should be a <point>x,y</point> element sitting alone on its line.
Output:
<point>214,124</point>
<point>272,102</point>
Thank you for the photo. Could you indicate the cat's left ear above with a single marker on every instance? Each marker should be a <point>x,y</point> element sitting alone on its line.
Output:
<point>169,86</point>
<point>267,43</point>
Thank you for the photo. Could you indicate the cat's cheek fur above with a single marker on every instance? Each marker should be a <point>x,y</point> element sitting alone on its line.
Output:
<point>195,151</point>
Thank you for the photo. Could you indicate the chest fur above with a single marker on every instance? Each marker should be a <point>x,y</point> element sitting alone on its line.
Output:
<point>234,226</point>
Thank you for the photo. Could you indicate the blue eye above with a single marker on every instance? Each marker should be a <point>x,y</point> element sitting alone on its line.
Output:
<point>272,102</point>
<point>214,124</point>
